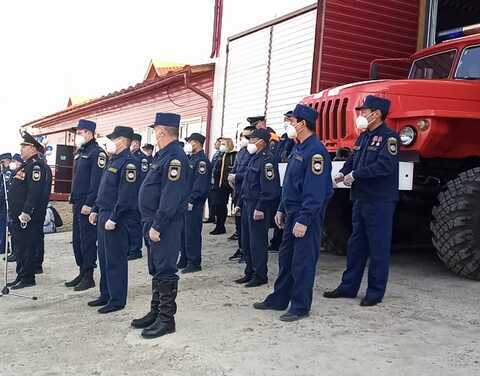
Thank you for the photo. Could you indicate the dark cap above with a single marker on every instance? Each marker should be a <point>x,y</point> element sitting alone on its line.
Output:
<point>166,119</point>
<point>17,157</point>
<point>261,134</point>
<point>303,112</point>
<point>120,131</point>
<point>137,137</point>
<point>375,103</point>
<point>148,146</point>
<point>196,137</point>
<point>5,156</point>
<point>87,124</point>
<point>288,113</point>
<point>28,139</point>
<point>255,119</point>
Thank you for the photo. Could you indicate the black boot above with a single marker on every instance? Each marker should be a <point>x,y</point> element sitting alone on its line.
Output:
<point>151,316</point>
<point>87,281</point>
<point>75,281</point>
<point>165,321</point>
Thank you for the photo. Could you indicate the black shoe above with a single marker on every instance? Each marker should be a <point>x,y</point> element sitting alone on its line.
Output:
<point>134,256</point>
<point>87,281</point>
<point>145,321</point>
<point>236,255</point>
<point>74,281</point>
<point>244,279</point>
<point>11,258</point>
<point>335,294</point>
<point>263,306</point>
<point>182,264</point>
<point>159,328</point>
<point>290,317</point>
<point>256,282</point>
<point>366,302</point>
<point>14,282</point>
<point>98,302</point>
<point>209,220</point>
<point>191,269</point>
<point>109,308</point>
<point>233,237</point>
<point>218,231</point>
<point>23,284</point>
<point>38,270</point>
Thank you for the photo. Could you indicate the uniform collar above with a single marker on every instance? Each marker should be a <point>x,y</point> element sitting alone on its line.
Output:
<point>377,130</point>
<point>170,147</point>
<point>124,153</point>
<point>308,141</point>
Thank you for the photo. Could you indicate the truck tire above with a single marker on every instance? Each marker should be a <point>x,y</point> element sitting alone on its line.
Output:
<point>338,223</point>
<point>456,225</point>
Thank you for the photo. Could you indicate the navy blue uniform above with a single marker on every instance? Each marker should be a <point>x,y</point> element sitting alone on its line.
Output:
<point>192,250</point>
<point>162,202</point>
<point>90,161</point>
<point>3,207</point>
<point>307,187</point>
<point>117,201</point>
<point>260,190</point>
<point>374,192</point>
<point>135,225</point>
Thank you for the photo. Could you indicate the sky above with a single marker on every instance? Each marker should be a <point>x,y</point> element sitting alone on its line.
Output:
<point>53,49</point>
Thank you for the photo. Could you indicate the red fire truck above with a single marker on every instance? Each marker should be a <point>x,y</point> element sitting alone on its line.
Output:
<point>436,111</point>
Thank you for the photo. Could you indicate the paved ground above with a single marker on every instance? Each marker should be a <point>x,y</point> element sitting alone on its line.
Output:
<point>429,324</point>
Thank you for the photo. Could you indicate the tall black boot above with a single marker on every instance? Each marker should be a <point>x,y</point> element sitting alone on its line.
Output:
<point>87,281</point>
<point>165,321</point>
<point>151,316</point>
<point>76,280</point>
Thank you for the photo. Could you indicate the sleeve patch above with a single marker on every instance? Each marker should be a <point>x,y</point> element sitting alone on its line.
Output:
<point>174,170</point>
<point>102,160</point>
<point>131,173</point>
<point>317,164</point>
<point>392,145</point>
<point>269,171</point>
<point>36,173</point>
<point>202,167</point>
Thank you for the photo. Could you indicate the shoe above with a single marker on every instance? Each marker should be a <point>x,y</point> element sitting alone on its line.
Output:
<point>22,284</point>
<point>209,220</point>
<point>366,302</point>
<point>14,282</point>
<point>87,281</point>
<point>236,255</point>
<point>256,282</point>
<point>290,317</point>
<point>233,237</point>
<point>182,263</point>
<point>244,279</point>
<point>11,258</point>
<point>74,281</point>
<point>263,306</point>
<point>218,231</point>
<point>134,256</point>
<point>335,294</point>
<point>98,302</point>
<point>191,269</point>
<point>165,320</point>
<point>109,308</point>
<point>38,270</point>
<point>150,317</point>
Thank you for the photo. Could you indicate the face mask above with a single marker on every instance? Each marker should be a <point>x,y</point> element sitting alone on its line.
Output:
<point>223,148</point>
<point>111,147</point>
<point>252,148</point>
<point>188,149</point>
<point>362,121</point>
<point>79,141</point>
<point>12,166</point>
<point>291,131</point>
<point>243,142</point>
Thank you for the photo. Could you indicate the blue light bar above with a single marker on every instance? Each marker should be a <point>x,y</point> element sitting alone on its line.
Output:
<point>458,32</point>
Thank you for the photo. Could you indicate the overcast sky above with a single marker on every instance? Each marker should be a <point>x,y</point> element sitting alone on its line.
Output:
<point>53,49</point>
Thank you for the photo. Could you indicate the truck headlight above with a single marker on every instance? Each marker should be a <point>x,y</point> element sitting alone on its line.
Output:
<point>407,136</point>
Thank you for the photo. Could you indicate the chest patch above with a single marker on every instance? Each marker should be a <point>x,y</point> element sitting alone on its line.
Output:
<point>317,164</point>
<point>131,173</point>
<point>102,160</point>
<point>174,170</point>
<point>113,170</point>
<point>269,171</point>
<point>144,165</point>
<point>36,173</point>
<point>202,167</point>
<point>392,146</point>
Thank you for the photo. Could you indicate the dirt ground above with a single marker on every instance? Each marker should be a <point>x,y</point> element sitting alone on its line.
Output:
<point>429,324</point>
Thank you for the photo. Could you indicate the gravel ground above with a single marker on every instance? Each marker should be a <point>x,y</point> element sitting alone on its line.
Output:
<point>429,324</point>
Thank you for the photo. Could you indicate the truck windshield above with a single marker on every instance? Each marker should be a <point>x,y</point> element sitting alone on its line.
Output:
<point>432,67</point>
<point>469,65</point>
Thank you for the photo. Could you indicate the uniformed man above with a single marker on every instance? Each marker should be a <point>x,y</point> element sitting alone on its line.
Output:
<point>260,189</point>
<point>5,175</point>
<point>135,227</point>
<point>236,179</point>
<point>372,172</point>
<point>191,255</point>
<point>89,163</point>
<point>148,150</point>
<point>116,204</point>
<point>163,200</point>
<point>307,187</point>
<point>27,201</point>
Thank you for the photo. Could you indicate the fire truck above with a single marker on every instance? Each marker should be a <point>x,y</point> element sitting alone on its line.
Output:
<point>436,112</point>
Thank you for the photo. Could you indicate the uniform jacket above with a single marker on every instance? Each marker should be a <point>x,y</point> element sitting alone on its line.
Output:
<point>119,185</point>
<point>221,168</point>
<point>144,163</point>
<point>30,189</point>
<point>240,168</point>
<point>202,172</point>
<point>90,161</point>
<point>166,189</point>
<point>374,163</point>
<point>307,185</point>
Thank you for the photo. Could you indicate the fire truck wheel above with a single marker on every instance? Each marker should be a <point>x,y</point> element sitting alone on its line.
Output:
<point>338,223</point>
<point>456,225</point>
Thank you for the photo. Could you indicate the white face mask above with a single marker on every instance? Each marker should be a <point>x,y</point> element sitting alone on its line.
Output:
<point>79,140</point>
<point>243,142</point>
<point>12,166</point>
<point>223,148</point>
<point>362,121</point>
<point>110,147</point>
<point>252,148</point>
<point>188,149</point>
<point>291,131</point>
